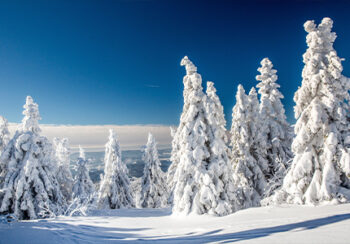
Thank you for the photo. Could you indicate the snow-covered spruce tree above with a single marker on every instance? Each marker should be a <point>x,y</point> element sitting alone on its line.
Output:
<point>218,146</point>
<point>4,133</point>
<point>83,188</point>
<point>115,187</point>
<point>275,131</point>
<point>153,185</point>
<point>202,179</point>
<point>64,175</point>
<point>29,189</point>
<point>259,141</point>
<point>247,173</point>
<point>176,133</point>
<point>320,170</point>
<point>215,114</point>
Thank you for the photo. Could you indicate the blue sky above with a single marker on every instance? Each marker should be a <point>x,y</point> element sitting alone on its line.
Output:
<point>117,62</point>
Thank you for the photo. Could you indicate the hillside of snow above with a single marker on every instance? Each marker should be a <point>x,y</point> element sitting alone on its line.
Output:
<point>286,224</point>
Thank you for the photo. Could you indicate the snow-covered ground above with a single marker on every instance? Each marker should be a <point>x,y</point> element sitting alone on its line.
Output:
<point>288,224</point>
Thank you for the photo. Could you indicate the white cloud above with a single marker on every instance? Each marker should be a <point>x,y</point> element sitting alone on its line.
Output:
<point>94,137</point>
<point>152,86</point>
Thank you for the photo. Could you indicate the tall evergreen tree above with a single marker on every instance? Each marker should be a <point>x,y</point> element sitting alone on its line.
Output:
<point>29,188</point>
<point>64,175</point>
<point>115,186</point>
<point>275,130</point>
<point>320,170</point>
<point>247,173</point>
<point>83,188</point>
<point>218,146</point>
<point>153,186</point>
<point>201,181</point>
<point>176,132</point>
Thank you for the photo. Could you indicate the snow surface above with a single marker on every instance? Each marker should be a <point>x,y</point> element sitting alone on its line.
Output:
<point>285,224</point>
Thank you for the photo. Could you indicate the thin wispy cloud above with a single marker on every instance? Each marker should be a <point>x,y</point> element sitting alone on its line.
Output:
<point>152,86</point>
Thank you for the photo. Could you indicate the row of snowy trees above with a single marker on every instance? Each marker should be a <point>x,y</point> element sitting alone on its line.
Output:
<point>115,189</point>
<point>211,174</point>
<point>36,181</point>
<point>208,176</point>
<point>260,161</point>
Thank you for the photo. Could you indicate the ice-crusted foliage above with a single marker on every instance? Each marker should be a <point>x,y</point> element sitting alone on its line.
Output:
<point>83,187</point>
<point>30,121</point>
<point>4,133</point>
<point>247,173</point>
<point>64,175</point>
<point>275,131</point>
<point>29,188</point>
<point>154,192</point>
<point>201,181</point>
<point>320,170</point>
<point>115,186</point>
